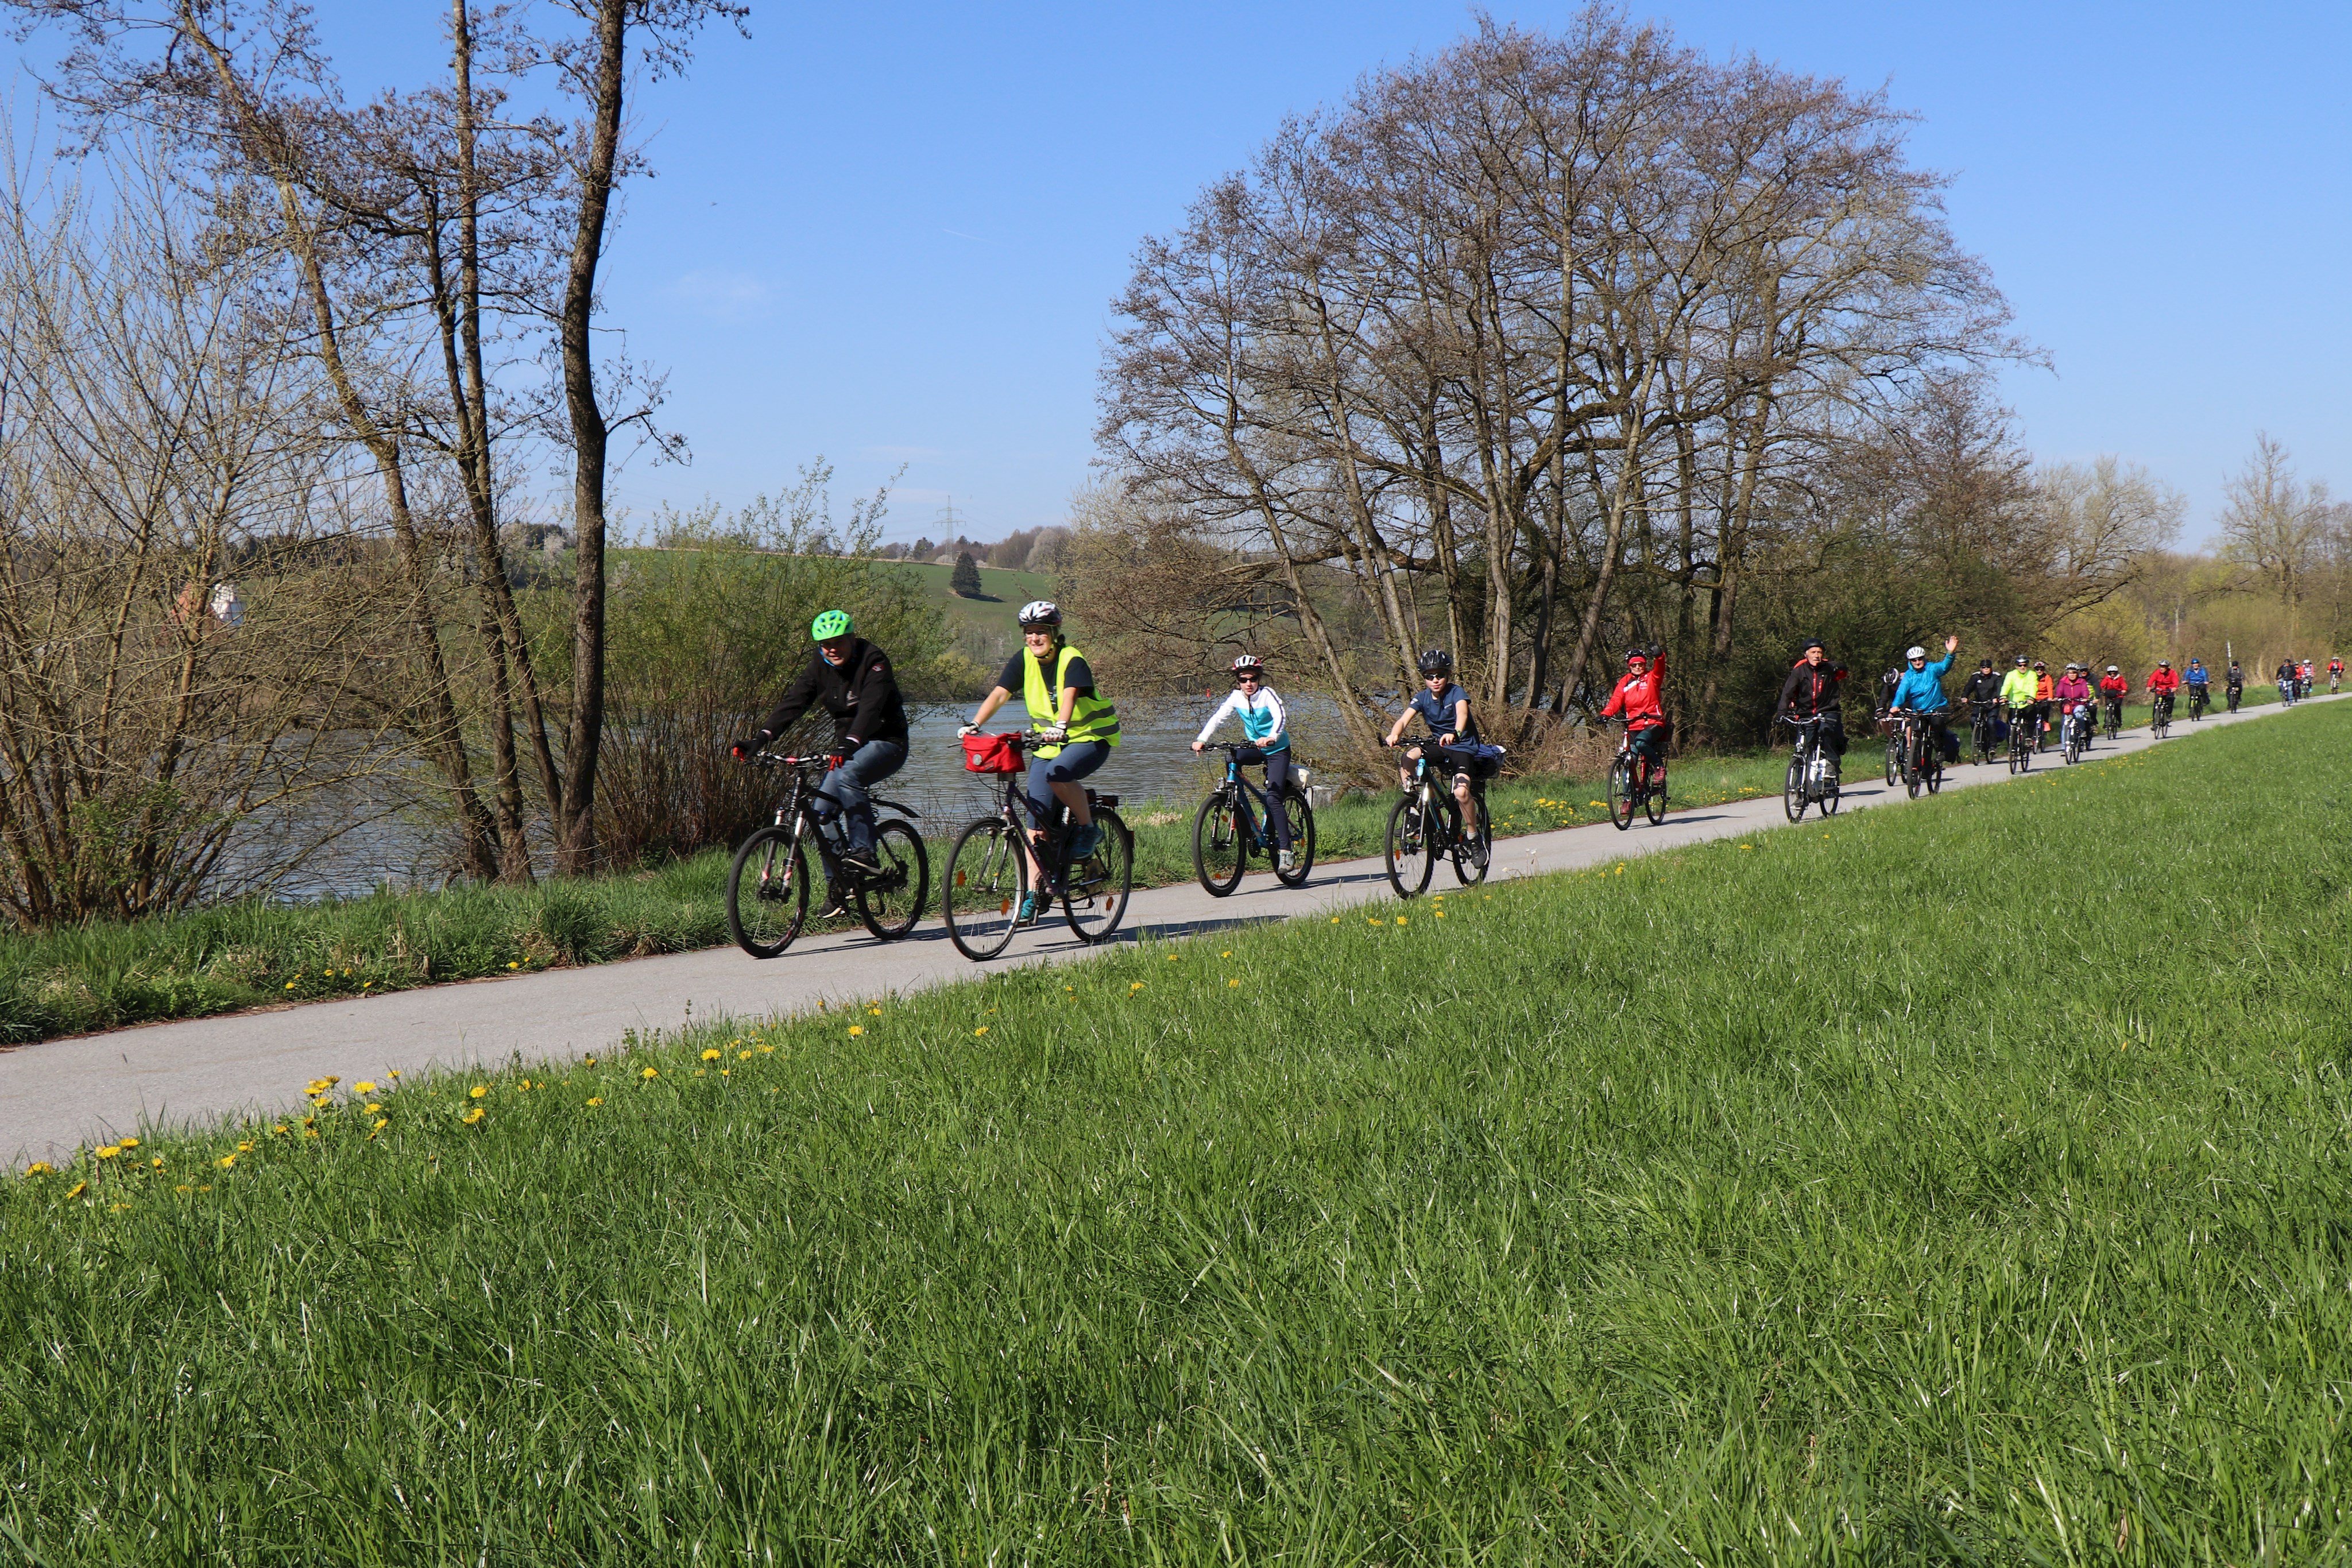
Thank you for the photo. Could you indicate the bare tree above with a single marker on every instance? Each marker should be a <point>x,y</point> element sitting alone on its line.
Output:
<point>2277,525</point>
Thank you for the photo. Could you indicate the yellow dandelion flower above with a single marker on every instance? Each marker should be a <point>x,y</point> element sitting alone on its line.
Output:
<point>702,1072</point>
<point>323,1102</point>
<point>156,1164</point>
<point>372,1110</point>
<point>1136,986</point>
<point>1172,958</point>
<point>364,1086</point>
<point>1233,984</point>
<point>227,1160</point>
<point>107,1153</point>
<point>127,1143</point>
<point>478,1090</point>
<point>246,1148</point>
<point>981,1031</point>
<point>595,1099</point>
<point>650,1072</point>
<point>290,985</point>
<point>396,1072</point>
<point>875,1012</point>
<point>853,1028</point>
<point>184,1187</point>
<point>474,1116</point>
<point>1439,913</point>
<point>726,1072</point>
<point>767,1051</point>
<point>116,1208</point>
<point>77,1188</point>
<point>381,1123</point>
<point>743,1056</point>
<point>514,966</point>
<point>1335,920</point>
<point>40,1168</point>
<point>710,1055</point>
<point>366,984</point>
<point>1226,954</point>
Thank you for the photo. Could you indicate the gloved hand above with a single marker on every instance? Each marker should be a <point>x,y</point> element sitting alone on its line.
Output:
<point>743,749</point>
<point>965,730</point>
<point>835,758</point>
<point>1054,735</point>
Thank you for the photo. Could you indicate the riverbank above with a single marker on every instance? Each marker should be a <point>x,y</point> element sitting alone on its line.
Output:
<point>255,955</point>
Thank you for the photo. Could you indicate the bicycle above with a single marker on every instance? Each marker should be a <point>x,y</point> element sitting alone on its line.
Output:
<point>2078,725</point>
<point>1812,771</point>
<point>1894,733</point>
<point>1427,823</point>
<point>987,870</point>
<point>2020,739</point>
<point>768,886</point>
<point>2196,704</point>
<point>1633,782</point>
<point>1923,757</point>
<point>2159,714</point>
<point>1227,828</point>
<point>1984,730</point>
<point>2235,694</point>
<point>2115,711</point>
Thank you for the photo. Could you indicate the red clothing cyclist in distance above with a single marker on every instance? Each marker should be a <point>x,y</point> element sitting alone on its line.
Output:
<point>2114,684</point>
<point>2164,680</point>
<point>1637,699</point>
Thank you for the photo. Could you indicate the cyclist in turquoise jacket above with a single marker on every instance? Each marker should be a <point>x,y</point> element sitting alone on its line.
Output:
<point>1921,690</point>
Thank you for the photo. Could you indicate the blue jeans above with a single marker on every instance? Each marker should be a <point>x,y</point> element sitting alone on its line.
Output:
<point>845,786</point>
<point>1078,760</point>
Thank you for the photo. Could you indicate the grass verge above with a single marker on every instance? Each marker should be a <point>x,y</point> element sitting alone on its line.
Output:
<point>1961,1184</point>
<point>250,954</point>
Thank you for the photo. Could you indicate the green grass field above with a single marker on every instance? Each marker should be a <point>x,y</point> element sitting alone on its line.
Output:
<point>1963,1184</point>
<point>249,955</point>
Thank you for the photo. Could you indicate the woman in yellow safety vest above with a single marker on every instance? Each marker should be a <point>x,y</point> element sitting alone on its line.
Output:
<point>1075,728</point>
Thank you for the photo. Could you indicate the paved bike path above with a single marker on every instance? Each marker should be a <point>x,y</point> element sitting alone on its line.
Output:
<point>58,1093</point>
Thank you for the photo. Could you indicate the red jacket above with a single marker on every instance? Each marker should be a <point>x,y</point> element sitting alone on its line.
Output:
<point>2163,683</point>
<point>2115,685</point>
<point>1637,697</point>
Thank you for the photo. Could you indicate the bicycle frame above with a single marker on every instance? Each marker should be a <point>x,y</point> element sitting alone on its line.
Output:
<point>1258,821</point>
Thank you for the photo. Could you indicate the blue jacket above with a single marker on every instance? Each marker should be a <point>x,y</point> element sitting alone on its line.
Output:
<point>1924,689</point>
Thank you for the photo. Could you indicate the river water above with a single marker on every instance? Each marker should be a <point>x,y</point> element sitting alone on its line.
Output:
<point>1153,769</point>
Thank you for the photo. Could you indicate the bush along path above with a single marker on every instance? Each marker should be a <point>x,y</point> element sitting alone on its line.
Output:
<point>251,953</point>
<point>1717,1206</point>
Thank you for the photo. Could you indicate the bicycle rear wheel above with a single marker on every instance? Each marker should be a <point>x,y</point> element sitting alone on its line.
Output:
<point>1894,760</point>
<point>1298,815</point>
<point>767,892</point>
<point>891,902</point>
<point>1409,860</point>
<point>1096,890</point>
<point>1220,852</point>
<point>1474,849</point>
<point>987,875</point>
<point>1792,794</point>
<point>1621,793</point>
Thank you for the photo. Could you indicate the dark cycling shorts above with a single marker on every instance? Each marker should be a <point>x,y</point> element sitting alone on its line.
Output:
<point>1650,742</point>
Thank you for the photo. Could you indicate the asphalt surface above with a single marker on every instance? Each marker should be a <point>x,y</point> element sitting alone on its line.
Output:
<point>58,1095</point>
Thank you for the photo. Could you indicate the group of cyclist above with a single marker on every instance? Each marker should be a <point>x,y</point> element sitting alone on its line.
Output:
<point>1075,727</point>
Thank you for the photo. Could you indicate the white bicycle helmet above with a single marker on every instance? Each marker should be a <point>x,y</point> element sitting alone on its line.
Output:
<point>1040,612</point>
<point>1914,651</point>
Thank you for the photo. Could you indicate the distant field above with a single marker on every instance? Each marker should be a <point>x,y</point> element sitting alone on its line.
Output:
<point>1961,1184</point>
<point>984,628</point>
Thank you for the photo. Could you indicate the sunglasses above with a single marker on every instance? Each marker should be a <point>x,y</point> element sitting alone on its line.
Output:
<point>1247,680</point>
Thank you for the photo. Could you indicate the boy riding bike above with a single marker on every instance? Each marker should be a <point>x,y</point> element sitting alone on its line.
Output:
<point>1444,707</point>
<point>1266,726</point>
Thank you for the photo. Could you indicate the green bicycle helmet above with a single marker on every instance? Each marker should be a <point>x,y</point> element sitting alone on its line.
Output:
<point>831,624</point>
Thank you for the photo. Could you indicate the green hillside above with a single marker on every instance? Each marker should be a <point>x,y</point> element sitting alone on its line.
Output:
<point>982,628</point>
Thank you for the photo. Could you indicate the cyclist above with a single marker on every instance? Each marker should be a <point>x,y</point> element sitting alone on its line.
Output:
<point>1812,692</point>
<point>2198,682</point>
<point>2073,695</point>
<point>2017,691</point>
<point>2287,683</point>
<point>2334,673</point>
<point>2162,682</point>
<point>1639,699</point>
<point>2303,677</point>
<point>1266,728</point>
<point>1073,727</point>
<point>2114,687</point>
<point>1445,708</point>
<point>1984,686</point>
<point>1921,691</point>
<point>852,680</point>
<point>2234,683</point>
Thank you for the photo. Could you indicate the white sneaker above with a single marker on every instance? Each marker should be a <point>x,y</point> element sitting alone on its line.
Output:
<point>1286,862</point>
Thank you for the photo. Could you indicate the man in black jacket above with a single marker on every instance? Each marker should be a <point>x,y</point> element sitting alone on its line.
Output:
<point>1812,692</point>
<point>852,680</point>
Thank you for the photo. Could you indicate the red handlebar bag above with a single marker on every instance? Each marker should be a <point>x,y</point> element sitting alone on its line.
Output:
<point>991,754</point>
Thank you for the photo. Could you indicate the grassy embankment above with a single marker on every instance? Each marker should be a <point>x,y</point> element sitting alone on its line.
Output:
<point>1959,1184</point>
<point>254,954</point>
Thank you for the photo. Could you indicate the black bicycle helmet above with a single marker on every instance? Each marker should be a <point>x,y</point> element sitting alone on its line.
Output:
<point>1434,661</point>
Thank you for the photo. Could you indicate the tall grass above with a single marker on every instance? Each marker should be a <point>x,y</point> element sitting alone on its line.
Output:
<point>1961,1184</point>
<point>246,954</point>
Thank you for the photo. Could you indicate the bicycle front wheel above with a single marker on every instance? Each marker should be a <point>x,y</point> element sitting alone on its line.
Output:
<point>1409,860</point>
<point>1473,848</point>
<point>1219,854</point>
<point>1792,794</point>
<point>987,877</point>
<point>1621,793</point>
<point>767,892</point>
<point>1298,815</point>
<point>1095,894</point>
<point>1654,799</point>
<point>891,902</point>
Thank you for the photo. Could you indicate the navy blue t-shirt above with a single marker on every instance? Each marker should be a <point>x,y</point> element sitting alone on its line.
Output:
<point>1438,711</point>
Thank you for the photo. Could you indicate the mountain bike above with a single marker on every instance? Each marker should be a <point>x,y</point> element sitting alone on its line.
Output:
<point>2079,724</point>
<point>1238,817</point>
<point>987,885</point>
<point>2020,739</point>
<point>2115,710</point>
<point>2196,704</point>
<point>1923,757</point>
<point>1633,782</point>
<point>1812,771</point>
<point>1428,824</point>
<point>2159,714</point>
<point>1984,728</point>
<point>1894,733</point>
<point>2235,694</point>
<point>768,886</point>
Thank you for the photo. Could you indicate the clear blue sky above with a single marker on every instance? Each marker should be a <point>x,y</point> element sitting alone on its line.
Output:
<point>888,232</point>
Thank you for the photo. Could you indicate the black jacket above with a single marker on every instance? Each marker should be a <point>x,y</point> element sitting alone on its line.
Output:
<point>1812,690</point>
<point>1984,686</point>
<point>861,694</point>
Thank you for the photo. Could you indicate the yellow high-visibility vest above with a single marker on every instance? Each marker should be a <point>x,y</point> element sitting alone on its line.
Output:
<point>1092,718</point>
